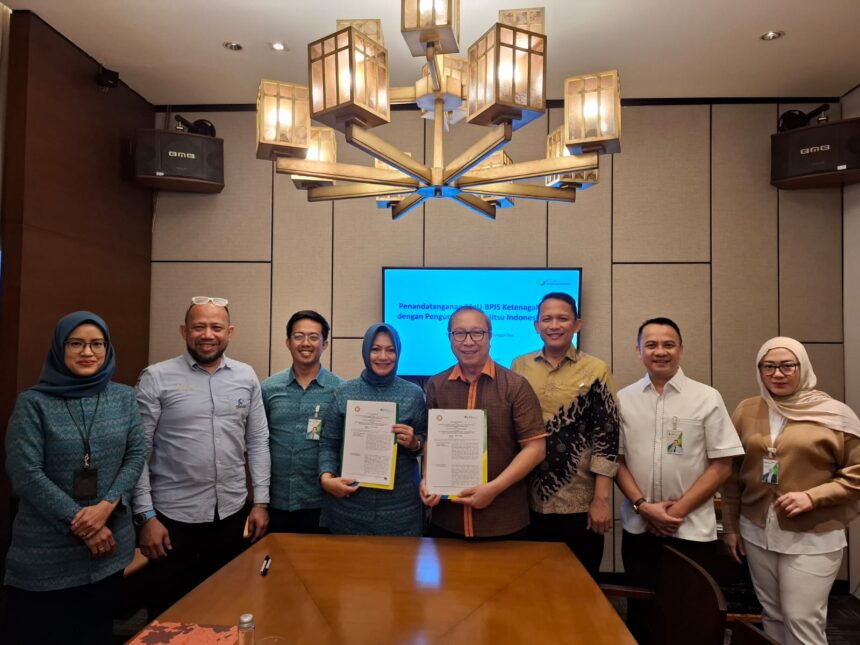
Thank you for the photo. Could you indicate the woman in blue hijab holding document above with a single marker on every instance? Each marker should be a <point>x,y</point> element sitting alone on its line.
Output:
<point>371,439</point>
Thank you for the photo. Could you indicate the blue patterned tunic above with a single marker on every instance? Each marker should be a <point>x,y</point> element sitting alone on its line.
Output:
<point>43,449</point>
<point>370,511</point>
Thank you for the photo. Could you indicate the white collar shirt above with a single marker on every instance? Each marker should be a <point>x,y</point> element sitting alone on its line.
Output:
<point>668,441</point>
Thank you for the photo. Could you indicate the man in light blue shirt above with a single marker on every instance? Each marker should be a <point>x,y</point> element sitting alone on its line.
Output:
<point>201,412</point>
<point>296,400</point>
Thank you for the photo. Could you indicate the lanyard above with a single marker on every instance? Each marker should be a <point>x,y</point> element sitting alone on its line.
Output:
<point>84,438</point>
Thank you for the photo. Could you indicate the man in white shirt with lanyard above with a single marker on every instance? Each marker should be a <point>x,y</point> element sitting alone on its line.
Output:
<point>676,447</point>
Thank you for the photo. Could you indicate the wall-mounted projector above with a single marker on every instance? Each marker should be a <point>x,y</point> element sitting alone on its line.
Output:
<point>190,160</point>
<point>816,156</point>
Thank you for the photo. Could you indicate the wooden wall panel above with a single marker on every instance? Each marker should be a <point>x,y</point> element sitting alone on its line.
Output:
<point>75,232</point>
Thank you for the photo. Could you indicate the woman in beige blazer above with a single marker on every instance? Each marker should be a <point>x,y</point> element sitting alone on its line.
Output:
<point>793,492</point>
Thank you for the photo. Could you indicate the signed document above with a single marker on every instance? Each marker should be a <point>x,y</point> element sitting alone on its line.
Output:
<point>456,451</point>
<point>369,446</point>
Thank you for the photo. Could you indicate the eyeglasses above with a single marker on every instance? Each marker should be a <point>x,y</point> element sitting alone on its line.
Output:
<point>205,300</point>
<point>476,335</point>
<point>96,346</point>
<point>768,369</point>
<point>300,337</point>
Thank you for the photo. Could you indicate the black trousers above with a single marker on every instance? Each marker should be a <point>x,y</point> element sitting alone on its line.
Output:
<point>198,551</point>
<point>641,554</point>
<point>571,529</point>
<point>77,615</point>
<point>304,520</point>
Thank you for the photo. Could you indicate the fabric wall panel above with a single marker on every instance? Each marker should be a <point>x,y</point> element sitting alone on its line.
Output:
<point>245,285</point>
<point>234,224</point>
<point>580,234</point>
<point>744,221</point>
<point>677,291</point>
<point>661,191</point>
<point>301,262</point>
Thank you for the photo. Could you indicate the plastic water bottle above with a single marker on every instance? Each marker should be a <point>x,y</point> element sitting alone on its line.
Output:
<point>246,629</point>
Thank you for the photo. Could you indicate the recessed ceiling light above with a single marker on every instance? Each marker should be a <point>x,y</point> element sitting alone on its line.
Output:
<point>772,35</point>
<point>279,46</point>
<point>232,46</point>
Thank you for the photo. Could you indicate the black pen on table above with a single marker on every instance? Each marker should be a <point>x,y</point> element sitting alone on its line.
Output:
<point>267,562</point>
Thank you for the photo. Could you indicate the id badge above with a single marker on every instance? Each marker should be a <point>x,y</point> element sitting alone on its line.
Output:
<point>85,484</point>
<point>314,429</point>
<point>770,471</point>
<point>676,442</point>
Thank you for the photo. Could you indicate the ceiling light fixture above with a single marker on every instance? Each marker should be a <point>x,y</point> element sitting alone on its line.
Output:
<point>279,46</point>
<point>772,35</point>
<point>501,85</point>
<point>232,46</point>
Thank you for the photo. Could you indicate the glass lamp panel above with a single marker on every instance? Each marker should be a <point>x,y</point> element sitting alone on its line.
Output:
<point>371,27</point>
<point>283,120</point>
<point>556,149</point>
<point>431,21</point>
<point>528,19</point>
<point>593,113</point>
<point>349,80</point>
<point>511,67</point>
<point>322,146</point>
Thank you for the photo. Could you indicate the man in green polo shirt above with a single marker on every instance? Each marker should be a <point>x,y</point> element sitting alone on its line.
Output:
<point>569,492</point>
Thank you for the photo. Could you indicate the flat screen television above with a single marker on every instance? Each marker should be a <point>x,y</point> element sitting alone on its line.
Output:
<point>417,302</point>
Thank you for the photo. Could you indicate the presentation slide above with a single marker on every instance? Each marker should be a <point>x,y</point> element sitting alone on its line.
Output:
<point>419,301</point>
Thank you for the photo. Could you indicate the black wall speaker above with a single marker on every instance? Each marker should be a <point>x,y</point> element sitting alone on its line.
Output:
<point>178,161</point>
<point>816,156</point>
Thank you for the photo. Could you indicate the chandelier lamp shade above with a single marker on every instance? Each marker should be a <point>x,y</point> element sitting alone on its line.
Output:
<point>592,116</point>
<point>283,120</point>
<point>322,147</point>
<point>500,84</point>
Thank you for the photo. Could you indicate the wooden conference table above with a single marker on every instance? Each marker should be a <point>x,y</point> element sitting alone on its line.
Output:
<point>344,589</point>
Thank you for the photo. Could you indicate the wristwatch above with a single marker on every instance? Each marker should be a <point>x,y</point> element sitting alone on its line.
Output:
<point>638,503</point>
<point>142,518</point>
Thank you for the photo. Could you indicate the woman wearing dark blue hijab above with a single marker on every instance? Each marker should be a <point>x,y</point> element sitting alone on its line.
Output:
<point>74,450</point>
<point>368,511</point>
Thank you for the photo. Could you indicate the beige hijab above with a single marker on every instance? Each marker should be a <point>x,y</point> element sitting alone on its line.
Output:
<point>807,403</point>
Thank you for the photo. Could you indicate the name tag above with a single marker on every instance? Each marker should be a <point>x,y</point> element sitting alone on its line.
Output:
<point>770,471</point>
<point>675,445</point>
<point>85,485</point>
<point>314,429</point>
